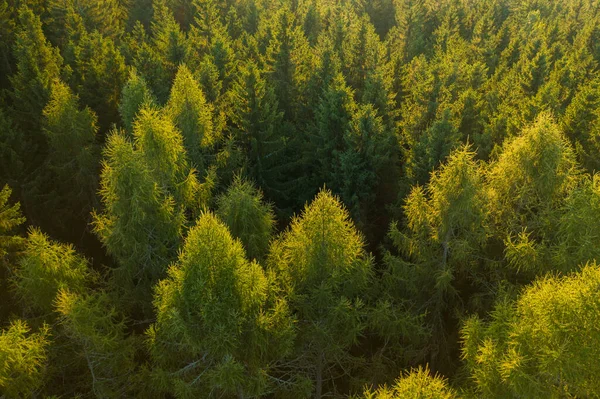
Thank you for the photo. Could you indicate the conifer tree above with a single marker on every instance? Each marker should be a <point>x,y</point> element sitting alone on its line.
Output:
<point>446,230</point>
<point>257,122</point>
<point>368,152</point>
<point>23,357</point>
<point>218,328</point>
<point>162,148</point>
<point>99,74</point>
<point>416,384</point>
<point>248,217</point>
<point>67,183</point>
<point>10,246</point>
<point>169,41</point>
<point>323,269</point>
<point>527,185</point>
<point>332,121</point>
<point>140,225</point>
<point>543,344</point>
<point>37,65</point>
<point>191,113</point>
<point>46,268</point>
<point>96,333</point>
<point>135,95</point>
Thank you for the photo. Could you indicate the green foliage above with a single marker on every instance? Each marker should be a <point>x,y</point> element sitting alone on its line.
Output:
<point>162,147</point>
<point>257,122</point>
<point>416,384</point>
<point>23,357</point>
<point>541,345</point>
<point>446,230</point>
<point>37,65</point>
<point>140,225</point>
<point>71,165</point>
<point>135,96</point>
<point>191,113</point>
<point>323,269</point>
<point>46,268</point>
<point>98,334</point>
<point>247,216</point>
<point>218,328</point>
<point>10,218</point>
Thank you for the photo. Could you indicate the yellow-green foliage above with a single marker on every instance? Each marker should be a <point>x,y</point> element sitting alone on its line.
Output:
<point>249,218</point>
<point>416,384</point>
<point>546,344</point>
<point>216,328</point>
<point>23,357</point>
<point>47,267</point>
<point>191,113</point>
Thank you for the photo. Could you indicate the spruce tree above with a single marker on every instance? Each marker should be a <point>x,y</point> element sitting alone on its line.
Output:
<point>257,122</point>
<point>38,64</point>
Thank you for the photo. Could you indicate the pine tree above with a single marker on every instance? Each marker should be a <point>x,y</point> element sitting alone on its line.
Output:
<point>23,357</point>
<point>191,113</point>
<point>218,328</point>
<point>247,216</point>
<point>323,270</point>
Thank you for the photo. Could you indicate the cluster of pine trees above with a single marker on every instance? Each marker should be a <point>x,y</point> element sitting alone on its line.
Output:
<point>299,198</point>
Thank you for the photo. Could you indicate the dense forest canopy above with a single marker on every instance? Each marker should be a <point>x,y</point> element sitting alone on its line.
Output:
<point>299,198</point>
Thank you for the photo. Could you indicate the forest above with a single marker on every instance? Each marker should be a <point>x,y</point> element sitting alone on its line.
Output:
<point>362,199</point>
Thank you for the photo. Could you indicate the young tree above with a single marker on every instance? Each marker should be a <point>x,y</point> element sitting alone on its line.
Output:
<point>23,357</point>
<point>445,235</point>
<point>135,96</point>
<point>191,113</point>
<point>248,217</point>
<point>544,344</point>
<point>37,66</point>
<point>66,186</point>
<point>218,327</point>
<point>324,270</point>
<point>140,225</point>
<point>415,384</point>
<point>96,333</point>
<point>46,268</point>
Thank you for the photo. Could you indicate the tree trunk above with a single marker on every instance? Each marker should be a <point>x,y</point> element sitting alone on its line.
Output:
<point>319,387</point>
